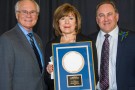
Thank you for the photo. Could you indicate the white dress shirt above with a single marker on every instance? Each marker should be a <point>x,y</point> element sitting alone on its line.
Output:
<point>113,40</point>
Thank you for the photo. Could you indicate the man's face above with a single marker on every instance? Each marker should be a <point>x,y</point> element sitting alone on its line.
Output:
<point>107,18</point>
<point>27,15</point>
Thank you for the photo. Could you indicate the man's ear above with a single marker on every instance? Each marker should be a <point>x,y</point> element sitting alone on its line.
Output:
<point>97,19</point>
<point>16,15</point>
<point>117,16</point>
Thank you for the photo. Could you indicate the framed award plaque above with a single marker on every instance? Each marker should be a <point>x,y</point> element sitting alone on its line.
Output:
<point>73,66</point>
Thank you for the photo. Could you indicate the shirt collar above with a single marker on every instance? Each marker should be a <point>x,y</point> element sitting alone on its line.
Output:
<point>24,30</point>
<point>113,33</point>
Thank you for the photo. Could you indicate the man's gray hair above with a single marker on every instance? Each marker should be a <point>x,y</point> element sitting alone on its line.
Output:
<point>17,5</point>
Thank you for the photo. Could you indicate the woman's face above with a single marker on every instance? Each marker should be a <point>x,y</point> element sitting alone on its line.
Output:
<point>67,24</point>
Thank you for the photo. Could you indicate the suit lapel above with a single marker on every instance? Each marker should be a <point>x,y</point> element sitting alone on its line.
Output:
<point>94,37</point>
<point>119,58</point>
<point>25,43</point>
<point>40,45</point>
<point>119,50</point>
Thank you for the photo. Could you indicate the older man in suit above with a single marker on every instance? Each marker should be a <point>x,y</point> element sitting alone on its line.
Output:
<point>115,50</point>
<point>21,56</point>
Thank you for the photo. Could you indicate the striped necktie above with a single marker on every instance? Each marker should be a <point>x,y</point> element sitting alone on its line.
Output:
<point>35,50</point>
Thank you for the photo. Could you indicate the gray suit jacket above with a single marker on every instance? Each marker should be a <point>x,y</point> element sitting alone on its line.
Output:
<point>19,69</point>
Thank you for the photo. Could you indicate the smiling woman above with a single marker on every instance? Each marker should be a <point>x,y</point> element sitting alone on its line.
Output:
<point>67,25</point>
<point>64,12</point>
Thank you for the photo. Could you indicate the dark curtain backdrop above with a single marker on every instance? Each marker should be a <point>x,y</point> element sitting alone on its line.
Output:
<point>86,8</point>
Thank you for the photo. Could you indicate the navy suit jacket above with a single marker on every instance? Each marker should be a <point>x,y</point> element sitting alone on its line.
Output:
<point>125,60</point>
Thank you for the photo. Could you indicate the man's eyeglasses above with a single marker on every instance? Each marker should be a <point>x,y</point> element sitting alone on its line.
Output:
<point>25,12</point>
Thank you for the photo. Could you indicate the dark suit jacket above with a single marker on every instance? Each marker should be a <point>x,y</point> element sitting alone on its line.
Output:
<point>19,69</point>
<point>48,54</point>
<point>125,61</point>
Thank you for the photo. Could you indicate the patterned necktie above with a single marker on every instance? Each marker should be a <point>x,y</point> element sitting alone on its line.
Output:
<point>35,50</point>
<point>104,66</point>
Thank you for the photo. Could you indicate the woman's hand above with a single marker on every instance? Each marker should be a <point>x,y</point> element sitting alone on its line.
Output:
<point>49,68</point>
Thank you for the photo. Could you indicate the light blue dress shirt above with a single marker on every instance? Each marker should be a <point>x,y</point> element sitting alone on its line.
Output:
<point>28,38</point>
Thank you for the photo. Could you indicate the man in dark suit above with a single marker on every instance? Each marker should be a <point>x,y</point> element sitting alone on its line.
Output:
<point>121,70</point>
<point>19,65</point>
